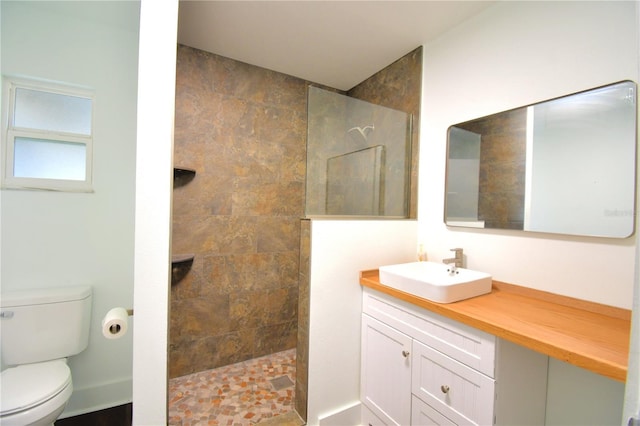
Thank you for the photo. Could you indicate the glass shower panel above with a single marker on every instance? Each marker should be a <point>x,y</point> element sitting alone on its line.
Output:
<point>358,158</point>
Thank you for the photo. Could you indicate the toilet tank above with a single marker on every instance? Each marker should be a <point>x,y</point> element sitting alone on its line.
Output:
<point>44,324</point>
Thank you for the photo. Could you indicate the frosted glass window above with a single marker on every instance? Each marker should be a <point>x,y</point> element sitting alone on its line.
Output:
<point>35,109</point>
<point>49,159</point>
<point>49,137</point>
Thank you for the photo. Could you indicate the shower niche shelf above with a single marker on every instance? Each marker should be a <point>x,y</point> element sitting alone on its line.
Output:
<point>180,266</point>
<point>178,259</point>
<point>182,176</point>
<point>181,263</point>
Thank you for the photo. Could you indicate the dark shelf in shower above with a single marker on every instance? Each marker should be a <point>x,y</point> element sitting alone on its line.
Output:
<point>182,175</point>
<point>183,171</point>
<point>177,259</point>
<point>181,263</point>
<point>180,266</point>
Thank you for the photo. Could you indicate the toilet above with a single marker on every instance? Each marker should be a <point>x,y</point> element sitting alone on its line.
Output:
<point>40,329</point>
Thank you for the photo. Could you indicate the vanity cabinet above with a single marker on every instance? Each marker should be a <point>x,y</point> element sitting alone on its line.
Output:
<point>419,368</point>
<point>386,372</point>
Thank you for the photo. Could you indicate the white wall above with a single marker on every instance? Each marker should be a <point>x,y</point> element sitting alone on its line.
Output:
<point>154,174</point>
<point>340,249</point>
<point>57,239</point>
<point>515,54</point>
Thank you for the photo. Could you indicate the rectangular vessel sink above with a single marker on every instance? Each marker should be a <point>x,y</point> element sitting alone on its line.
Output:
<point>432,281</point>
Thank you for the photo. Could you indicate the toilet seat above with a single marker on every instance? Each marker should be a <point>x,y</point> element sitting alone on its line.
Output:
<point>29,385</point>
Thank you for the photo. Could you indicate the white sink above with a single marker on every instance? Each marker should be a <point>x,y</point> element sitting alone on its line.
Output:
<point>432,281</point>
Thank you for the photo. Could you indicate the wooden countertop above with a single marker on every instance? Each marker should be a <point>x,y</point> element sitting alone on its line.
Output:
<point>582,333</point>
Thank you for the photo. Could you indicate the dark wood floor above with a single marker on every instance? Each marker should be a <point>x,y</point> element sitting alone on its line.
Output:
<point>114,416</point>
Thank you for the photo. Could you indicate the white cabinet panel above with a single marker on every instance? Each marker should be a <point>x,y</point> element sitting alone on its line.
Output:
<point>424,415</point>
<point>470,346</point>
<point>386,372</point>
<point>370,419</point>
<point>459,392</point>
<point>419,368</point>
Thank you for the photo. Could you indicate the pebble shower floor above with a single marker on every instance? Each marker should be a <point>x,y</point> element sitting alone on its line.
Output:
<point>242,394</point>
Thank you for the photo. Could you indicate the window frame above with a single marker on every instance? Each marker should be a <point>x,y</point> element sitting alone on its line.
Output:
<point>11,132</point>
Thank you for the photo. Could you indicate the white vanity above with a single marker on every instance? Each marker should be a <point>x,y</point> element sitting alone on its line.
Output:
<point>478,361</point>
<point>420,368</point>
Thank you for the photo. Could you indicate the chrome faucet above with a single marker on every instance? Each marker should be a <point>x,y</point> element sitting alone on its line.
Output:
<point>457,260</point>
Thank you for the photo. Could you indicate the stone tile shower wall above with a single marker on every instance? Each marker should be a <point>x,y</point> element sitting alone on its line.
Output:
<point>302,348</point>
<point>243,129</point>
<point>399,86</point>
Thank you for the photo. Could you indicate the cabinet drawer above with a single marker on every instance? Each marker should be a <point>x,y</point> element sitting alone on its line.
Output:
<point>369,418</point>
<point>459,393</point>
<point>422,414</point>
<point>468,345</point>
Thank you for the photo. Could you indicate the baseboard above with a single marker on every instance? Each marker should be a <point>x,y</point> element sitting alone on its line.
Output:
<point>349,415</point>
<point>95,398</point>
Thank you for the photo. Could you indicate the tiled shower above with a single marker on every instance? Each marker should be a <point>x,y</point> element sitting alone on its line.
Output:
<point>243,130</point>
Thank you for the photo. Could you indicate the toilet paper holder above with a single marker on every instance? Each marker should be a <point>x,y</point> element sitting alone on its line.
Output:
<point>116,328</point>
<point>114,324</point>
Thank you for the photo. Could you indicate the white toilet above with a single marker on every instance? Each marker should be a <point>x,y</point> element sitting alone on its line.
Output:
<point>40,329</point>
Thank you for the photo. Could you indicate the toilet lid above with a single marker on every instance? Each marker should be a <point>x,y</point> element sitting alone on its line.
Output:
<point>27,385</point>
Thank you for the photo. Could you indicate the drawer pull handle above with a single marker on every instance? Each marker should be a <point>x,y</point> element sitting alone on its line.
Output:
<point>405,354</point>
<point>444,389</point>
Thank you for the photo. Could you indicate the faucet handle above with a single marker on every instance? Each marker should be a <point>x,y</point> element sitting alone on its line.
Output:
<point>458,259</point>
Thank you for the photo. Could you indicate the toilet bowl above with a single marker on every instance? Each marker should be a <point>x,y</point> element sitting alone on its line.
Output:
<point>41,328</point>
<point>34,394</point>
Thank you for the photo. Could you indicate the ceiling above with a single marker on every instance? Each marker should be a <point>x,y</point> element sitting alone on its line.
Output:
<point>335,43</point>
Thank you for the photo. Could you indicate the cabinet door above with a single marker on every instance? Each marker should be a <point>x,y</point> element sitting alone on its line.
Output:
<point>461,394</point>
<point>386,372</point>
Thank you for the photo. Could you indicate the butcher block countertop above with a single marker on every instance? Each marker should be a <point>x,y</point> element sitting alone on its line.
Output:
<point>586,334</point>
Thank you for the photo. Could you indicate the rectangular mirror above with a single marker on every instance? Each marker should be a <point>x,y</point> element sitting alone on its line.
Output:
<point>564,166</point>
